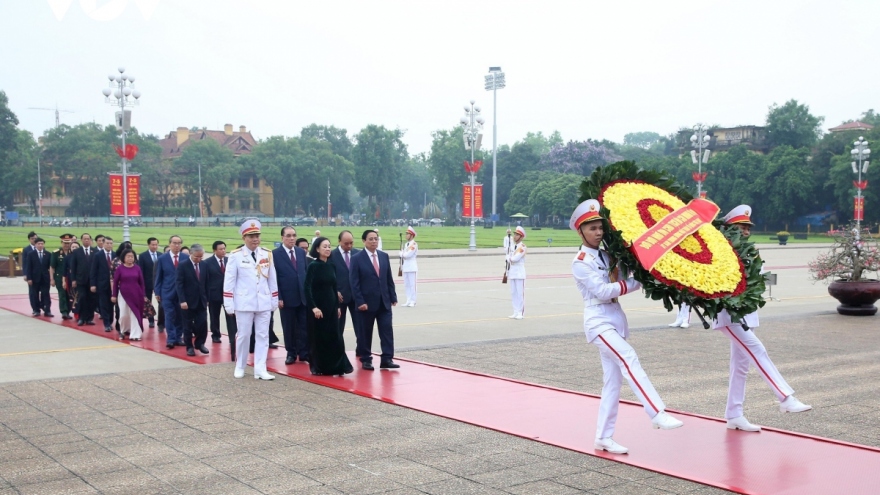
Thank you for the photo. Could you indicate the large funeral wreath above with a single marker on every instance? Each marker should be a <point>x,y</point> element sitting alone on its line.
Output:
<point>713,269</point>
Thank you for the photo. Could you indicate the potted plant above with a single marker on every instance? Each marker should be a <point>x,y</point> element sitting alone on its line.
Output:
<point>782,235</point>
<point>846,264</point>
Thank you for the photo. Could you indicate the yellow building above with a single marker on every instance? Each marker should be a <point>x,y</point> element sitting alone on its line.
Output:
<point>240,143</point>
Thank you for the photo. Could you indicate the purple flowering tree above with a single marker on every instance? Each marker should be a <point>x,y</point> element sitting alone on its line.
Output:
<point>577,157</point>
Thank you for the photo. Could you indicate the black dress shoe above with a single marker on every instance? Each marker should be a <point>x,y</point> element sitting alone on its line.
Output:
<point>108,329</point>
<point>50,315</point>
<point>368,366</point>
<point>35,313</point>
<point>190,351</point>
<point>161,328</point>
<point>152,325</point>
<point>169,346</point>
<point>66,317</point>
<point>180,343</point>
<point>80,323</point>
<point>273,346</point>
<point>215,340</point>
<point>90,322</point>
<point>289,360</point>
<point>389,365</point>
<point>204,350</point>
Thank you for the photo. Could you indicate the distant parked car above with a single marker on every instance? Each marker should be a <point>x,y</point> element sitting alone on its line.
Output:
<point>436,221</point>
<point>308,221</point>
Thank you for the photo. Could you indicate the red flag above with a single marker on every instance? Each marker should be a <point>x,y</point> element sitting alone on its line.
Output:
<point>699,177</point>
<point>477,165</point>
<point>861,184</point>
<point>129,153</point>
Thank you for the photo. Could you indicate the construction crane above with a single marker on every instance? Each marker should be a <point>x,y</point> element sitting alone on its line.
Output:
<point>57,113</point>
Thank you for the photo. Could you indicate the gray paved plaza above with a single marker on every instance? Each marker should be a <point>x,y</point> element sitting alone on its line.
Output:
<point>81,414</point>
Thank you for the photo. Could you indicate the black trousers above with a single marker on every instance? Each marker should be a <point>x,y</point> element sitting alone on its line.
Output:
<point>349,307</point>
<point>85,302</point>
<point>40,297</point>
<point>382,318</point>
<point>195,326</point>
<point>296,336</point>
<point>214,309</point>
<point>105,307</point>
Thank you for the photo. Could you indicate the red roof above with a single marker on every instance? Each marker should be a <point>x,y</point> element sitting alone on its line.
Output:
<point>852,126</point>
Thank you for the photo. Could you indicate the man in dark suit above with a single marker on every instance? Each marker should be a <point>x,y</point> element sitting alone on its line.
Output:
<point>38,278</point>
<point>99,281</point>
<point>147,262</point>
<point>372,287</point>
<point>80,269</point>
<point>290,269</point>
<point>165,286</point>
<point>32,239</point>
<point>192,292</point>
<point>341,260</point>
<point>215,269</point>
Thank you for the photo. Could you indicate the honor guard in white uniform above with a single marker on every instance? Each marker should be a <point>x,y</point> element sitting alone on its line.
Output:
<point>746,349</point>
<point>380,240</point>
<point>250,291</point>
<point>410,267</point>
<point>516,273</point>
<point>606,327</point>
<point>506,243</point>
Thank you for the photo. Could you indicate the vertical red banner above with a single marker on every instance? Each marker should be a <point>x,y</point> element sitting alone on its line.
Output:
<point>859,208</point>
<point>466,201</point>
<point>134,195</point>
<point>116,195</point>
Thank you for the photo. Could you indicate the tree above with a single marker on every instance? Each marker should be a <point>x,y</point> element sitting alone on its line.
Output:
<point>792,124</point>
<point>644,140</point>
<point>555,195</point>
<point>446,164</point>
<point>416,186</point>
<point>338,138</point>
<point>518,198</point>
<point>841,177</point>
<point>513,164</point>
<point>218,169</point>
<point>577,157</point>
<point>785,185</point>
<point>541,144</point>
<point>378,157</point>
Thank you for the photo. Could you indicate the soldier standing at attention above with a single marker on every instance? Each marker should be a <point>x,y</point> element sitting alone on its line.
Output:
<point>56,274</point>
<point>605,324</point>
<point>410,268</point>
<point>516,273</point>
<point>250,291</point>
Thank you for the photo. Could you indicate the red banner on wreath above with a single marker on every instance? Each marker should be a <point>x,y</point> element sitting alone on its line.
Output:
<point>466,201</point>
<point>859,208</point>
<point>671,230</point>
<point>116,195</point>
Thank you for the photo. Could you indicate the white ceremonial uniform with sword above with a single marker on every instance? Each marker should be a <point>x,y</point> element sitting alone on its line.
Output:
<point>410,271</point>
<point>516,276</point>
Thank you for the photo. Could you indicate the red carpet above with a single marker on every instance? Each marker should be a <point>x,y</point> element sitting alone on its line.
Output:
<point>770,462</point>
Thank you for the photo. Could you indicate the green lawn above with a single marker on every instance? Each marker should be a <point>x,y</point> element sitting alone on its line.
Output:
<point>428,237</point>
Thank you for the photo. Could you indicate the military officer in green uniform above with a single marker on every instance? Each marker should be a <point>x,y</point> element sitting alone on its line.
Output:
<point>56,275</point>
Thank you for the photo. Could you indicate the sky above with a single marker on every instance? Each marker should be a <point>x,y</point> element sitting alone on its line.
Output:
<point>589,69</point>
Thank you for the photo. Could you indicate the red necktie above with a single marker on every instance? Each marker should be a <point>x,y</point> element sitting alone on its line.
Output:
<point>376,264</point>
<point>197,271</point>
<point>108,258</point>
<point>293,259</point>
<point>175,261</point>
<point>222,266</point>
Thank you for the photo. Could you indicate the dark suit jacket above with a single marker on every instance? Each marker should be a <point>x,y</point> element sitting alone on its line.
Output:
<point>24,259</point>
<point>145,261</point>
<point>38,270</point>
<point>215,278</point>
<point>81,266</point>
<point>191,289</point>
<point>291,283</point>
<point>165,284</point>
<point>368,288</point>
<point>99,272</point>
<point>342,272</point>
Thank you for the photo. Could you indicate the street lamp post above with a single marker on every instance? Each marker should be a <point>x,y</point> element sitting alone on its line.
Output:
<point>122,88</point>
<point>472,122</point>
<point>494,82</point>
<point>860,154</point>
<point>700,154</point>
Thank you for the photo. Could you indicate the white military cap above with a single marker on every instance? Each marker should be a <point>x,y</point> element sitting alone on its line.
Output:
<point>585,212</point>
<point>521,231</point>
<point>411,231</point>
<point>740,214</point>
<point>250,226</point>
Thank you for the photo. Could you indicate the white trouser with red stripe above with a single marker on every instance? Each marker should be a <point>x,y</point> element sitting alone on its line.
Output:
<point>746,349</point>
<point>246,321</point>
<point>518,295</point>
<point>619,360</point>
<point>409,282</point>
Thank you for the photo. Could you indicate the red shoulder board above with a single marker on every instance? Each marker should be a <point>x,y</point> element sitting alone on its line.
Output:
<point>581,256</point>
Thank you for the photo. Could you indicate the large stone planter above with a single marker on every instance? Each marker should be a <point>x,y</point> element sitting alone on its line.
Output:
<point>856,298</point>
<point>783,239</point>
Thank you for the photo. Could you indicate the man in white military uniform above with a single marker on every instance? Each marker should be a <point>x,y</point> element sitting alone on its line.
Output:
<point>250,291</point>
<point>606,327</point>
<point>746,349</point>
<point>516,273</point>
<point>380,240</point>
<point>683,319</point>
<point>410,267</point>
